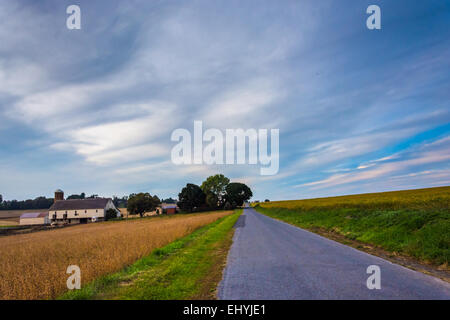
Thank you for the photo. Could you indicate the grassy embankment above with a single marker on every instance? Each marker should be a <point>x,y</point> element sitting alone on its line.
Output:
<point>414,223</point>
<point>33,265</point>
<point>189,268</point>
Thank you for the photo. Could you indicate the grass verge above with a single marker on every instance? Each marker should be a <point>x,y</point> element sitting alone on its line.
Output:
<point>188,268</point>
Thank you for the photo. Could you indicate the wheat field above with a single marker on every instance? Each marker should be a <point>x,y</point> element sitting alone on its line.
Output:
<point>418,199</point>
<point>33,266</point>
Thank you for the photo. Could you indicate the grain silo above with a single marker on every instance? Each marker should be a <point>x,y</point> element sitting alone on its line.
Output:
<point>59,195</point>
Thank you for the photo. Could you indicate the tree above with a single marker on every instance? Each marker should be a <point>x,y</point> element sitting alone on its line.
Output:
<point>191,197</point>
<point>267,200</point>
<point>110,214</point>
<point>115,201</point>
<point>215,185</point>
<point>228,206</point>
<point>141,203</point>
<point>120,202</point>
<point>237,193</point>
<point>38,203</point>
<point>156,201</point>
<point>169,200</point>
<point>211,200</point>
<point>77,196</point>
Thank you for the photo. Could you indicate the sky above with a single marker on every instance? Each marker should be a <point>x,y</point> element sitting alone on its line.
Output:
<point>93,110</point>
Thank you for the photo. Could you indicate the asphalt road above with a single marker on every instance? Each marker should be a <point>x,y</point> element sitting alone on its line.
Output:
<point>270,259</point>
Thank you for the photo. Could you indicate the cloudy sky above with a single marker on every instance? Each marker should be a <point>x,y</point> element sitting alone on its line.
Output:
<point>92,110</point>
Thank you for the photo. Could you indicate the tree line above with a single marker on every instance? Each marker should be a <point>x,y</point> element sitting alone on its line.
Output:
<point>30,204</point>
<point>216,192</point>
<point>39,202</point>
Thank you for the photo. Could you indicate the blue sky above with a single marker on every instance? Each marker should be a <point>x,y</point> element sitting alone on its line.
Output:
<point>92,110</point>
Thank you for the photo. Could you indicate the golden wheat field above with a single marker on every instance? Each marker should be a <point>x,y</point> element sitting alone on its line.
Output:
<point>33,266</point>
<point>420,199</point>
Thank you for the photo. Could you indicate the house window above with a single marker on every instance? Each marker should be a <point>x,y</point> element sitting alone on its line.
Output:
<point>96,210</point>
<point>85,211</point>
<point>75,211</point>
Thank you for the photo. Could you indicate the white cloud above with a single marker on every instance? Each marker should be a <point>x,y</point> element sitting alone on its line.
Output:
<point>39,106</point>
<point>335,150</point>
<point>19,77</point>
<point>435,152</point>
<point>122,141</point>
<point>243,105</point>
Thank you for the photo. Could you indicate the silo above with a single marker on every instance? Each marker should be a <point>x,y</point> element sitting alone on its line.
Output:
<point>59,195</point>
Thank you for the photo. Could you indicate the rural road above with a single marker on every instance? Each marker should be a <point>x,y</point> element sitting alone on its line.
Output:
<point>270,259</point>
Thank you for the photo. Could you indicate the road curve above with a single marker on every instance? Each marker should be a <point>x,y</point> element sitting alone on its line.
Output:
<point>270,259</point>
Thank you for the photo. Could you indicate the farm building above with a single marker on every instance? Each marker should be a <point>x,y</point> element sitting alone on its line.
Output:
<point>34,218</point>
<point>80,210</point>
<point>167,208</point>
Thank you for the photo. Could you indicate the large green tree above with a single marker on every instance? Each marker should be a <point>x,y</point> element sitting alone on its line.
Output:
<point>156,200</point>
<point>214,188</point>
<point>169,200</point>
<point>237,193</point>
<point>77,196</point>
<point>110,214</point>
<point>212,201</point>
<point>141,203</point>
<point>191,197</point>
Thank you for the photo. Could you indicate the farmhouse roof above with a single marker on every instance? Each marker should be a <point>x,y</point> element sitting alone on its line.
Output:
<point>80,204</point>
<point>29,215</point>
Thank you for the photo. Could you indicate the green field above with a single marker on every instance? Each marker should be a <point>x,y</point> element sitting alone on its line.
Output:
<point>414,223</point>
<point>189,268</point>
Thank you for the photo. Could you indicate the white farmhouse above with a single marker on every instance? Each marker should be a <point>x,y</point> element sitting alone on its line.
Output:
<point>80,210</point>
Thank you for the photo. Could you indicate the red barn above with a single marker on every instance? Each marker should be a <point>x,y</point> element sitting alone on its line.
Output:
<point>169,208</point>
